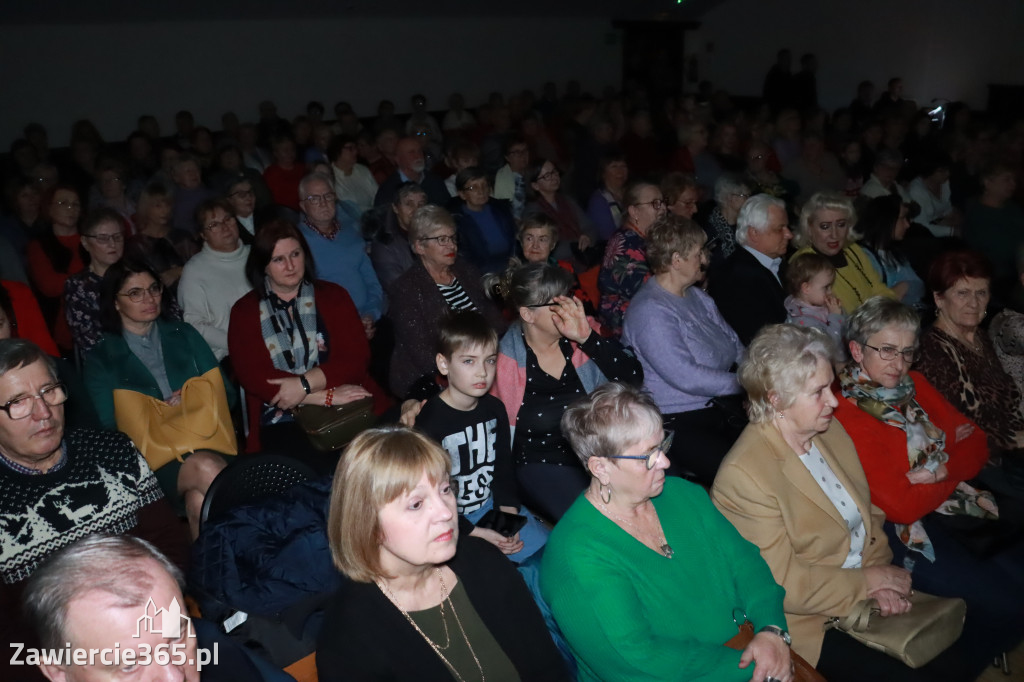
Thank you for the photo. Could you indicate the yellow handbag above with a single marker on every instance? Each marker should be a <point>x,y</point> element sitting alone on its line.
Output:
<point>162,432</point>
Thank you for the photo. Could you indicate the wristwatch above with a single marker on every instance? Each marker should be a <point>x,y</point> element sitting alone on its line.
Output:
<point>305,384</point>
<point>776,630</point>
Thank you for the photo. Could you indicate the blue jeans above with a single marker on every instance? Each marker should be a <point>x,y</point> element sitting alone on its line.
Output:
<point>533,534</point>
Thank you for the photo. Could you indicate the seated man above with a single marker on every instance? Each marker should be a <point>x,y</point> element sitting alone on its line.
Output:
<point>411,168</point>
<point>61,486</point>
<point>746,285</point>
<point>508,181</point>
<point>214,278</point>
<point>333,232</point>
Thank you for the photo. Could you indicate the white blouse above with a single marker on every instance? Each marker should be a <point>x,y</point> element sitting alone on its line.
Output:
<point>841,500</point>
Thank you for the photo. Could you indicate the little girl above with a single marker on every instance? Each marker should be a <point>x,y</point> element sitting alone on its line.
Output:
<point>811,302</point>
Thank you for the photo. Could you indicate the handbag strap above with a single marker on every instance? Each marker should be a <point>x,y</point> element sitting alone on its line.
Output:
<point>857,620</point>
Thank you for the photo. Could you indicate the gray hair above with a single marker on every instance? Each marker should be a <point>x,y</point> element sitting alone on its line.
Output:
<point>824,201</point>
<point>427,220</point>
<point>728,183</point>
<point>613,418</point>
<point>18,353</point>
<point>114,564</point>
<point>534,283</point>
<point>306,181</point>
<point>668,235</point>
<point>754,215</point>
<point>781,360</point>
<point>877,313</point>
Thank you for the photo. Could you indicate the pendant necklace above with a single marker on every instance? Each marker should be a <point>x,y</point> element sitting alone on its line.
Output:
<point>663,547</point>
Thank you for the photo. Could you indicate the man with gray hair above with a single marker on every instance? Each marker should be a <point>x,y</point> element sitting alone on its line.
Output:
<point>746,286</point>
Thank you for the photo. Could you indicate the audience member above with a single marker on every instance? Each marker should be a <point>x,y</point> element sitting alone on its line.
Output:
<point>778,90</point>
<point>681,194</point>
<point>994,224</point>
<point>352,181</point>
<point>605,207</point>
<point>509,182</point>
<point>411,167</point>
<point>815,170</point>
<point>930,191</point>
<point>457,119</point>
<point>461,154</point>
<point>189,192</point>
<point>731,192</point>
<point>883,223</point>
<point>24,221</point>
<point>884,172</point>
<point>486,228</point>
<point>378,152</point>
<point>811,303</point>
<point>284,174</point>
<point>420,117</point>
<point>163,248</point>
<point>111,190</point>
<point>103,240</point>
<point>386,228</point>
<point>575,231</point>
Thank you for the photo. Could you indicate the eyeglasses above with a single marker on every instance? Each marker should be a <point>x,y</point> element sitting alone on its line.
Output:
<point>442,239</point>
<point>656,204</point>
<point>138,293</point>
<point>115,238</point>
<point>220,225</point>
<point>69,204</point>
<point>652,456</point>
<point>320,199</point>
<point>19,408</point>
<point>242,194</point>
<point>550,174</point>
<point>541,305</point>
<point>890,353</point>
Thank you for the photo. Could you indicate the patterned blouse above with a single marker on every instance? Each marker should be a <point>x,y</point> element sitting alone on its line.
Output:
<point>622,274</point>
<point>82,309</point>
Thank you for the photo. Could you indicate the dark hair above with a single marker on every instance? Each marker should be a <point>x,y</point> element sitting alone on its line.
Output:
<point>59,255</point>
<point>113,279</point>
<point>610,156</point>
<point>466,175</point>
<point>97,217</point>
<point>262,250</point>
<point>208,205</point>
<point>953,266</point>
<point>877,222</point>
<point>927,166</point>
<point>462,147</point>
<point>336,144</point>
<point>512,141</point>
<point>465,329</point>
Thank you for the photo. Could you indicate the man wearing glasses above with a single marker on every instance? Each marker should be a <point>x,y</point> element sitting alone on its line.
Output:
<point>59,486</point>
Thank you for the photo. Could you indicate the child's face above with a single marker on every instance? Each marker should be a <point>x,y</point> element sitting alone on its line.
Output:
<point>470,370</point>
<point>815,290</point>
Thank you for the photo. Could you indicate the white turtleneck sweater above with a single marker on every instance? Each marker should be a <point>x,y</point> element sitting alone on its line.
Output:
<point>211,282</point>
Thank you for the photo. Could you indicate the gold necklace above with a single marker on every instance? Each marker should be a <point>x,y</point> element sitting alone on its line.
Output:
<point>445,597</point>
<point>664,547</point>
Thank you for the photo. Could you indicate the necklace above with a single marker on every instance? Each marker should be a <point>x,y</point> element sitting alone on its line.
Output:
<point>663,546</point>
<point>445,597</point>
<point>856,263</point>
<point>976,346</point>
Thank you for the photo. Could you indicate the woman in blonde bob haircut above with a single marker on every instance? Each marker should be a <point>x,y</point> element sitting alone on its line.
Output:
<point>377,467</point>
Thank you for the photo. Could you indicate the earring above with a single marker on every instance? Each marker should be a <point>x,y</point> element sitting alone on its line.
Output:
<point>605,497</point>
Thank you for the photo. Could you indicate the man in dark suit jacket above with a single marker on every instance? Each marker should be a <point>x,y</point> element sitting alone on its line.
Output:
<point>412,168</point>
<point>747,287</point>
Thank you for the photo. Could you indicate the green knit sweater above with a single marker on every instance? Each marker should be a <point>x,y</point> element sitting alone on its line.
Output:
<point>630,613</point>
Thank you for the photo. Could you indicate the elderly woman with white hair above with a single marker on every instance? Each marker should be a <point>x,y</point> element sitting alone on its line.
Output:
<point>794,487</point>
<point>642,574</point>
<point>826,226</point>
<point>746,286</point>
<point>731,192</point>
<point>687,349</point>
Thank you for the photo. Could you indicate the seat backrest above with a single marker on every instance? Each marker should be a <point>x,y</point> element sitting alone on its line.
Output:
<point>249,478</point>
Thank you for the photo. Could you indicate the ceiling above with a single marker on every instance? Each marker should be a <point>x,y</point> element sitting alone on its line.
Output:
<point>134,11</point>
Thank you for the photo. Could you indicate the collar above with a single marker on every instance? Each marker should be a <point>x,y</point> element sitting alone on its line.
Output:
<point>771,263</point>
<point>37,472</point>
<point>406,178</point>
<point>335,227</point>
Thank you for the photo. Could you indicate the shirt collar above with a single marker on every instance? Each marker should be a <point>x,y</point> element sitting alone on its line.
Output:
<point>770,263</point>
<point>38,472</point>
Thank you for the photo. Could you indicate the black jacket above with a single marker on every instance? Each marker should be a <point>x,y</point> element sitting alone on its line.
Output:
<point>747,294</point>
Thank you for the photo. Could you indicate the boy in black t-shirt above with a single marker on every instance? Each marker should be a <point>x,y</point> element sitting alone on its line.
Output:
<point>472,426</point>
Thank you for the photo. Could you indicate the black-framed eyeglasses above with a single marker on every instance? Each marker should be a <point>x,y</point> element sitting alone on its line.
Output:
<point>656,204</point>
<point>319,199</point>
<point>115,238</point>
<point>219,225</point>
<point>541,305</point>
<point>890,353</point>
<point>19,408</point>
<point>138,293</point>
<point>550,174</point>
<point>651,457</point>
<point>442,239</point>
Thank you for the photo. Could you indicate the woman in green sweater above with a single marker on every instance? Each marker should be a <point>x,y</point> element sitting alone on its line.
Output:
<point>644,576</point>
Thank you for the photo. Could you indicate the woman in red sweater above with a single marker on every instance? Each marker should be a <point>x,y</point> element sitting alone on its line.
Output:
<point>919,453</point>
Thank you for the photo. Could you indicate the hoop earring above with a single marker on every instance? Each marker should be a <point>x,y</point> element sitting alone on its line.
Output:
<point>605,497</point>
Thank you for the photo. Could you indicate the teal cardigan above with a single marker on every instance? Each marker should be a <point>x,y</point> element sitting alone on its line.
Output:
<point>111,364</point>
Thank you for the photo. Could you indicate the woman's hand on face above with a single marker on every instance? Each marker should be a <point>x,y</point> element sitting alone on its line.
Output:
<point>963,432</point>
<point>890,602</point>
<point>289,392</point>
<point>570,319</point>
<point>771,658</point>
<point>887,577</point>
<point>922,475</point>
<point>833,304</point>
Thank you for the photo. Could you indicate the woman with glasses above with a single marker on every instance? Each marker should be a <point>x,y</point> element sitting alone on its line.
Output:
<point>644,576</point>
<point>437,283</point>
<point>575,231</point>
<point>485,225</point>
<point>918,452</point>
<point>145,353</point>
<point>103,241</point>
<point>826,226</point>
<point>687,349</point>
<point>731,192</point>
<point>550,356</point>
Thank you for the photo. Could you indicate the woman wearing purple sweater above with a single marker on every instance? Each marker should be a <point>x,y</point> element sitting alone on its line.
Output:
<point>688,351</point>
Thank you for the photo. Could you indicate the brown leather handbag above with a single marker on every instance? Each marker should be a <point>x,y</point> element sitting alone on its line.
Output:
<point>332,428</point>
<point>802,670</point>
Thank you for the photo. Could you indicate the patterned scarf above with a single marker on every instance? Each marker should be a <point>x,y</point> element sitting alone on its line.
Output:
<point>289,330</point>
<point>926,448</point>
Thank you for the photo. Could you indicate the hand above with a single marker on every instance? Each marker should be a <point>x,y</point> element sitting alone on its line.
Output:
<point>887,578</point>
<point>890,602</point>
<point>175,399</point>
<point>347,393</point>
<point>369,326</point>
<point>833,304</point>
<point>506,545</point>
<point>770,656</point>
<point>964,431</point>
<point>289,392</point>
<point>570,319</point>
<point>922,475</point>
<point>584,242</point>
<point>410,410</point>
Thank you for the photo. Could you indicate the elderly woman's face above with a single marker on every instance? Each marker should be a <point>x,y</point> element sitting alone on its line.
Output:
<point>650,207</point>
<point>895,342</point>
<point>407,206</point>
<point>686,204</point>
<point>419,527</point>
<point>548,180</point>
<point>630,478</point>
<point>439,249</point>
<point>811,411</point>
<point>964,304</point>
<point>615,174</point>
<point>828,231</point>
<point>691,266</point>
<point>537,244</point>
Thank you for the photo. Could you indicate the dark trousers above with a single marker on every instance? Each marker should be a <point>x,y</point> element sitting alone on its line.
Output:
<point>844,659</point>
<point>703,437</point>
<point>549,490</point>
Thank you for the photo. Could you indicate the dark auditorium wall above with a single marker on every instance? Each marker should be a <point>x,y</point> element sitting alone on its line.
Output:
<point>56,74</point>
<point>949,49</point>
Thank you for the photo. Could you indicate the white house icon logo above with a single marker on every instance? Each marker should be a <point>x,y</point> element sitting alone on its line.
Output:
<point>172,621</point>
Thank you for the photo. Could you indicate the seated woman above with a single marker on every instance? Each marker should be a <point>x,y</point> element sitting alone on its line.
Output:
<point>386,230</point>
<point>642,558</point>
<point>575,231</point>
<point>605,209</point>
<point>103,240</point>
<point>688,350</point>
<point>439,282</point>
<point>144,353</point>
<point>485,226</point>
<point>681,194</point>
<point>624,269</point>
<point>394,532</point>
<point>110,190</point>
<point>156,242</point>
<point>295,340</point>
<point>794,487</point>
<point>826,224</point>
<point>731,192</point>
<point>958,358</point>
<point>549,357</point>
<point>930,191</point>
<point>918,452</point>
<point>883,222</point>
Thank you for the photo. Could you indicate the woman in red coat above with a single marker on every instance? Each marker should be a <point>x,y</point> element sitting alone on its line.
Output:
<point>294,340</point>
<point>919,453</point>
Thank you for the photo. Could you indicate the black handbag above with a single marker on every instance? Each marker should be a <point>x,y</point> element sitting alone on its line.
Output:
<point>332,428</point>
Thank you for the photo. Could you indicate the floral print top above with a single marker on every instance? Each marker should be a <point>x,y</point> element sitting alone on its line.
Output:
<point>622,274</point>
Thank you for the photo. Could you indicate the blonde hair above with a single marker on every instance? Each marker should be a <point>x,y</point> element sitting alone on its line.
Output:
<point>825,201</point>
<point>376,468</point>
<point>781,360</point>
